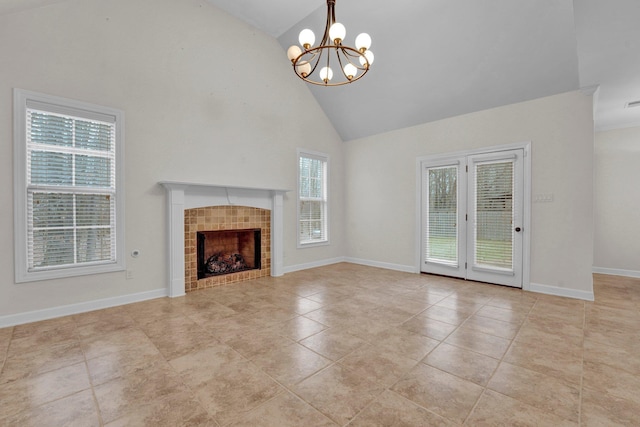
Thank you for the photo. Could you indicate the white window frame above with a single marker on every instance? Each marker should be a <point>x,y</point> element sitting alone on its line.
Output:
<point>23,100</point>
<point>324,158</point>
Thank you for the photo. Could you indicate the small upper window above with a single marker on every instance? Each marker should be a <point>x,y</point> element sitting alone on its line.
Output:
<point>313,225</point>
<point>68,196</point>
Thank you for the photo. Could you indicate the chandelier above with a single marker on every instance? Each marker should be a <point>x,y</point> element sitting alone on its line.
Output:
<point>353,62</point>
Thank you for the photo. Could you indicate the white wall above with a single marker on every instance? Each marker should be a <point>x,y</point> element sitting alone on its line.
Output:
<point>207,99</point>
<point>381,185</point>
<point>617,202</point>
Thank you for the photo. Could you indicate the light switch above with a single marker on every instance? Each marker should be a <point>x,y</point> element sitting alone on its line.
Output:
<point>543,198</point>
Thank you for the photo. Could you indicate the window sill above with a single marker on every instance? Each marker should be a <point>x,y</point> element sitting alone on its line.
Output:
<point>33,276</point>
<point>302,245</point>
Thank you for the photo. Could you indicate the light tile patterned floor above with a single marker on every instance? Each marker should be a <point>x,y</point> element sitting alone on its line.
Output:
<point>334,346</point>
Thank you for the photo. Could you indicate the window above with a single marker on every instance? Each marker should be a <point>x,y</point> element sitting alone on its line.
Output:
<point>68,187</point>
<point>312,199</point>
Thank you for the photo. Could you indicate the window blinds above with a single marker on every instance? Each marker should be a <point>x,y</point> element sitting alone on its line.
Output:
<point>442,208</point>
<point>70,189</point>
<point>494,214</point>
<point>312,200</point>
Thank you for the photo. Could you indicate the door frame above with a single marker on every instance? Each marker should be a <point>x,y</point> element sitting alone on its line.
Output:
<point>526,220</point>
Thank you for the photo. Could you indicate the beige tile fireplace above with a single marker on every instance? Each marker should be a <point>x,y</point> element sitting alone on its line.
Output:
<point>220,218</point>
<point>184,198</point>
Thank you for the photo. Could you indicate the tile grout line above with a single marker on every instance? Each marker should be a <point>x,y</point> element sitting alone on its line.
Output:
<point>76,339</point>
<point>168,361</point>
<point>457,327</point>
<point>91,386</point>
<point>337,363</point>
<point>584,324</point>
<point>500,361</point>
<point>290,390</point>
<point>433,349</point>
<point>5,354</point>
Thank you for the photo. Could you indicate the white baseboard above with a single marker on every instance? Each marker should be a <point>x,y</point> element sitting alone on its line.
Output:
<point>314,264</point>
<point>387,265</point>
<point>616,272</point>
<point>561,292</point>
<point>83,307</point>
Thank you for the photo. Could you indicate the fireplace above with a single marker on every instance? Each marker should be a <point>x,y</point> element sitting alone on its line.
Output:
<point>226,252</point>
<point>218,240</point>
<point>193,207</point>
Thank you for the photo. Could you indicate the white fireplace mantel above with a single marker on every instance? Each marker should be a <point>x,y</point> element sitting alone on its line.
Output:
<point>189,195</point>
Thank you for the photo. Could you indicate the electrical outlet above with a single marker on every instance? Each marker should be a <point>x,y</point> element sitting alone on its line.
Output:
<point>129,274</point>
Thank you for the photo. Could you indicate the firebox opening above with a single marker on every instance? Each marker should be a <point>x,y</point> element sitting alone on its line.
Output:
<point>228,251</point>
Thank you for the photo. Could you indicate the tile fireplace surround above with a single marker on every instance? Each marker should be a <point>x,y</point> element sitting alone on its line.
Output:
<point>218,218</point>
<point>183,196</point>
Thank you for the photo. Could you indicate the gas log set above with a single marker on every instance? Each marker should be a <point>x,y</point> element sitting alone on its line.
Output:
<point>228,251</point>
<point>223,264</point>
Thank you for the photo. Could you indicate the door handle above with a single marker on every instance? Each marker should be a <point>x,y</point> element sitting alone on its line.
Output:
<point>518,229</point>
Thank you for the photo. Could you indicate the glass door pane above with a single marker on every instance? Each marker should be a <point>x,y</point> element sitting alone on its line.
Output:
<point>493,226</point>
<point>442,208</point>
<point>443,225</point>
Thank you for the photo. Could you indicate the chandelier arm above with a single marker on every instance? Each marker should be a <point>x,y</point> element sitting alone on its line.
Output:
<point>315,65</point>
<point>338,50</point>
<point>328,67</point>
<point>316,56</point>
<point>311,52</point>
<point>352,53</point>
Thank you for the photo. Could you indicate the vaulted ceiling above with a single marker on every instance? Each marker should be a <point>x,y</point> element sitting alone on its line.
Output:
<point>441,58</point>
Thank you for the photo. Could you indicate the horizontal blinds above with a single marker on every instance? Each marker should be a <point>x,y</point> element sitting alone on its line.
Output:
<point>442,215</point>
<point>312,198</point>
<point>63,110</point>
<point>70,190</point>
<point>494,214</point>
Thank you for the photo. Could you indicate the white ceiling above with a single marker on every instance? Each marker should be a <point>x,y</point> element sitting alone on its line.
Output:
<point>442,58</point>
<point>609,51</point>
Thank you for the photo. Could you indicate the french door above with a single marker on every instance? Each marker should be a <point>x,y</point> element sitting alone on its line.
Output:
<point>472,217</point>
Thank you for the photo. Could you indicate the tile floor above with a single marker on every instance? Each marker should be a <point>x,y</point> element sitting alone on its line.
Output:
<point>334,346</point>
